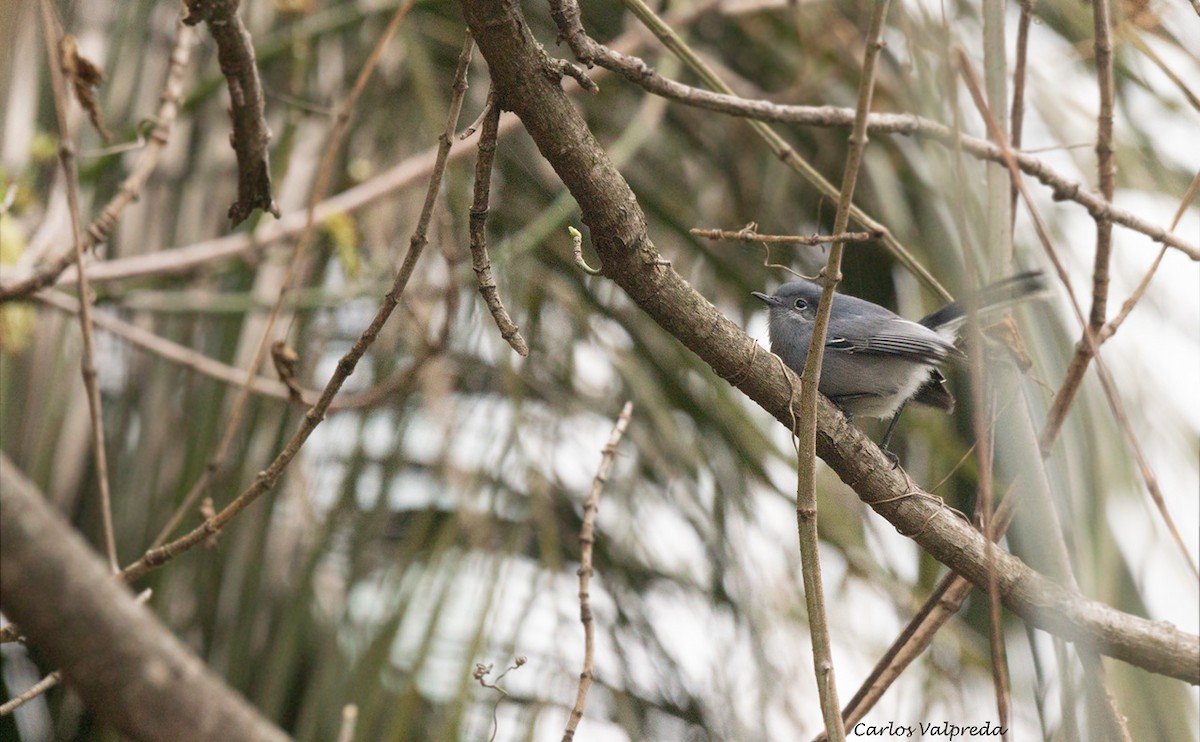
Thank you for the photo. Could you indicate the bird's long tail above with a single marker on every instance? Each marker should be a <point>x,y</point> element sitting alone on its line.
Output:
<point>991,298</point>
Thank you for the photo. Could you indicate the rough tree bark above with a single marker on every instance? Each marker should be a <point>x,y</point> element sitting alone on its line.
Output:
<point>129,669</point>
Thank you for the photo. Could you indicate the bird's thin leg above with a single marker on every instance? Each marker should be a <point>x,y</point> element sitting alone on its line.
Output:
<point>887,436</point>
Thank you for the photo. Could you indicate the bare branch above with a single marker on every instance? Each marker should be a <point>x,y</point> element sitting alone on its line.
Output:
<point>587,540</point>
<point>66,156</point>
<point>1016,117</point>
<point>638,72</point>
<point>1065,395</point>
<point>35,690</point>
<point>481,673</point>
<point>193,360</point>
<point>1136,296</point>
<point>324,174</point>
<point>251,137</point>
<point>129,669</point>
<point>998,236</point>
<point>478,229</point>
<point>806,448</point>
<point>749,233</point>
<point>266,479</point>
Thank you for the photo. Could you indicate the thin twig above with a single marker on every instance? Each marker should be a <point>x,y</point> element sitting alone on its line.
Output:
<point>587,540</point>
<point>142,338</point>
<point>1113,324</point>
<point>638,72</point>
<point>131,186</point>
<point>193,360</point>
<point>778,145</point>
<point>324,174</point>
<point>246,245</point>
<point>1040,685</point>
<point>34,691</point>
<point>984,452</point>
<point>1017,116</point>
<point>66,156</point>
<point>806,451</point>
<point>267,478</point>
<point>1065,395</point>
<point>139,142</point>
<point>577,250</point>
<point>480,674</point>
<point>487,110</point>
<point>1093,666</point>
<point>333,145</point>
<point>1044,512</point>
<point>174,352</point>
<point>750,234</point>
<point>164,121</point>
<point>998,224</point>
<point>478,229</point>
<point>958,465</point>
<point>1133,34</point>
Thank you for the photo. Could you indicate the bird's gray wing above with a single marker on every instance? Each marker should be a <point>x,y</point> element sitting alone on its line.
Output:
<point>931,350</point>
<point>899,338</point>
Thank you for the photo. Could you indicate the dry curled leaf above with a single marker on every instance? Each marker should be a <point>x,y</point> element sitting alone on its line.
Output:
<point>1005,332</point>
<point>286,361</point>
<point>85,77</point>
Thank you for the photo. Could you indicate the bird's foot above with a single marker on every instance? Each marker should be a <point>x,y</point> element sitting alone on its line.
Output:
<point>891,457</point>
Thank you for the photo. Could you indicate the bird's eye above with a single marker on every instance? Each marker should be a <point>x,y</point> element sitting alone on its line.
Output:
<point>801,304</point>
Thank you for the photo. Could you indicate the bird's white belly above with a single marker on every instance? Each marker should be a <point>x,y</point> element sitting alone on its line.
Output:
<point>892,382</point>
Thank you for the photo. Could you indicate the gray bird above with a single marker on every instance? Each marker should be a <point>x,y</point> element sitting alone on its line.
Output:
<point>876,361</point>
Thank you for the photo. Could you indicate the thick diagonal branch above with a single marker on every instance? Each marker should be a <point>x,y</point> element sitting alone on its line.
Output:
<point>524,77</point>
<point>128,668</point>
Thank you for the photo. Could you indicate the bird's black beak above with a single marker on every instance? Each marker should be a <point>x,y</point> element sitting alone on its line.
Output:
<point>766,298</point>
